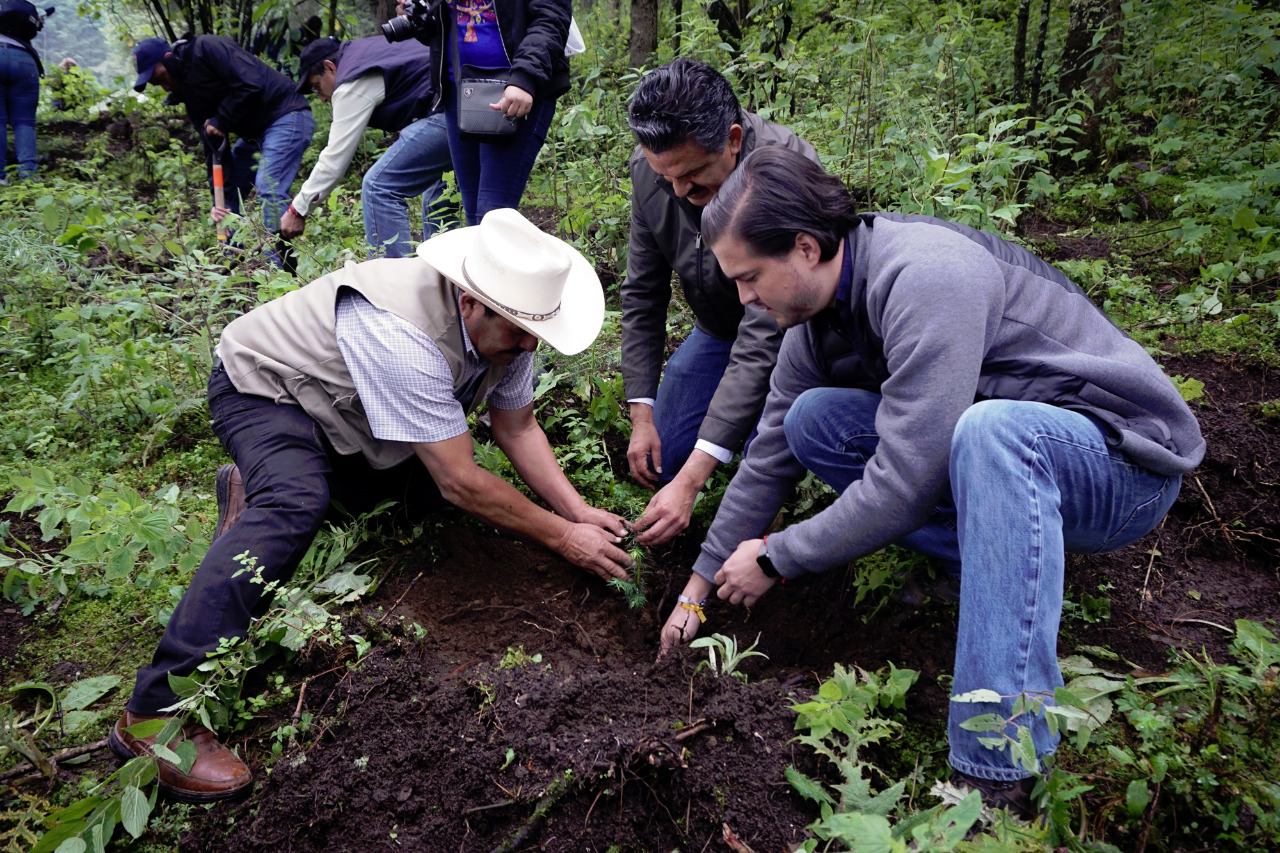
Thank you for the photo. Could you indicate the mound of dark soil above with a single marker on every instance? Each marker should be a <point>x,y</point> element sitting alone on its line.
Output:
<point>432,745</point>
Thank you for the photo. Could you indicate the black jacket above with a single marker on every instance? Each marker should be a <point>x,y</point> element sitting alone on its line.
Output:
<point>219,81</point>
<point>666,236</point>
<point>533,34</point>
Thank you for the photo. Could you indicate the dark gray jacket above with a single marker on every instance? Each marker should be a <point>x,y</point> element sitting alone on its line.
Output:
<point>406,75</point>
<point>665,237</point>
<point>939,316</point>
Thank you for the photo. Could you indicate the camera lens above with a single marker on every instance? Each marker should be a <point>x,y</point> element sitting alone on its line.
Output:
<point>398,29</point>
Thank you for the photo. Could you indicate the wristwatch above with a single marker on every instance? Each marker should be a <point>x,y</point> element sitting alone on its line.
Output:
<point>763,561</point>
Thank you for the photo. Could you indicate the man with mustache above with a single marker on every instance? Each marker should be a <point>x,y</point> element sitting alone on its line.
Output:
<point>691,134</point>
<point>357,388</point>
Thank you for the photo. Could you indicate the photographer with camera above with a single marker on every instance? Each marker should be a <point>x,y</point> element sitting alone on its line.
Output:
<point>501,65</point>
<point>20,73</point>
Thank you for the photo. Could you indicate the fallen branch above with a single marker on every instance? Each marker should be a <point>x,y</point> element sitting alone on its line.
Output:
<point>501,804</point>
<point>391,609</point>
<point>55,759</point>
<point>735,843</point>
<point>555,791</point>
<point>1205,622</point>
<point>700,726</point>
<point>1145,596</point>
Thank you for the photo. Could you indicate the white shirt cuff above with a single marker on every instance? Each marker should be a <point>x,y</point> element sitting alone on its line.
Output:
<point>715,450</point>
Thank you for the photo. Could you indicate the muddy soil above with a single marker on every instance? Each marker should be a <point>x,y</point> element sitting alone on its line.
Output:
<point>434,745</point>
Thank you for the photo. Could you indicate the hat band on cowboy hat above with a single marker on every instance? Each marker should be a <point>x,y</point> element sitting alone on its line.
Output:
<point>539,282</point>
<point>514,312</point>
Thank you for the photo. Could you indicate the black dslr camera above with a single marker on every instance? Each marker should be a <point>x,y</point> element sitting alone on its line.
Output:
<point>416,22</point>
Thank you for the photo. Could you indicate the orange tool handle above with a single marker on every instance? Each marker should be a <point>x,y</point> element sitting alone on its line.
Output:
<point>219,192</point>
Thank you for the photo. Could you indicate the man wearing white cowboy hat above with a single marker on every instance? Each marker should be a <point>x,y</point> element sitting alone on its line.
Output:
<point>356,389</point>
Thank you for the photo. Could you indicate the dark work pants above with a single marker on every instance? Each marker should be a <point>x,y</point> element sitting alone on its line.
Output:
<point>290,473</point>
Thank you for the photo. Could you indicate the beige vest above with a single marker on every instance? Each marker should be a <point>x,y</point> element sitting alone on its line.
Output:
<point>287,350</point>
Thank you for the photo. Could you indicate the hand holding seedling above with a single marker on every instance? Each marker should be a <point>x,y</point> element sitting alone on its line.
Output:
<point>670,510</point>
<point>592,546</point>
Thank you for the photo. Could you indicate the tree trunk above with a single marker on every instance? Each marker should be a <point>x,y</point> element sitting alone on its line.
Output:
<point>1020,50</point>
<point>1091,50</point>
<point>1090,61</point>
<point>677,16</point>
<point>644,31</point>
<point>1037,64</point>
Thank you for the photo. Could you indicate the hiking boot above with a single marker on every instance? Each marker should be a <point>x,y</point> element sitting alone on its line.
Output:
<point>230,498</point>
<point>217,773</point>
<point>1015,797</point>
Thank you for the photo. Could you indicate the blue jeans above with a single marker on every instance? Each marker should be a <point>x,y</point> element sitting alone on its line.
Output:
<point>1030,483</point>
<point>290,473</point>
<point>414,165</point>
<point>832,432</point>
<point>270,165</point>
<point>19,94</point>
<point>689,381</point>
<point>492,171</point>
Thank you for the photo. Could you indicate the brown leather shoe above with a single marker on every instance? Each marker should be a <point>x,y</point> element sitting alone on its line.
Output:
<point>230,498</point>
<point>217,773</point>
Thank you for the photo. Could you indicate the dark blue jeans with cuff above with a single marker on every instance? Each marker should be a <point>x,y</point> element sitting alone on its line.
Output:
<point>291,474</point>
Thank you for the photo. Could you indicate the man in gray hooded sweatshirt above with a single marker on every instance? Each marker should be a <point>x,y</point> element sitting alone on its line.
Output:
<point>966,400</point>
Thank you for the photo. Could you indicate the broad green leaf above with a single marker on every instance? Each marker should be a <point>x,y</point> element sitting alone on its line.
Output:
<point>1138,797</point>
<point>186,755</point>
<point>146,728</point>
<point>42,686</point>
<point>1245,219</point>
<point>983,723</point>
<point>183,686</point>
<point>806,787</point>
<point>76,720</point>
<point>977,696</point>
<point>862,832</point>
<point>134,811</point>
<point>85,692</point>
<point>120,565</point>
<point>75,811</point>
<point>347,586</point>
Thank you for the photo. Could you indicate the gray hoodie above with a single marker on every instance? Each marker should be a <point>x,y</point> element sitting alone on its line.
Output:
<point>937,316</point>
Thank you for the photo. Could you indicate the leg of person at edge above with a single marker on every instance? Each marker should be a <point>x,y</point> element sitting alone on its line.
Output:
<point>227,90</point>
<point>522,42</point>
<point>20,73</point>
<point>965,399</point>
<point>374,83</point>
<point>418,346</point>
<point>691,135</point>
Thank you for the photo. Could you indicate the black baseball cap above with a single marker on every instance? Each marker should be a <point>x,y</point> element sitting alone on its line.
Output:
<point>145,56</point>
<point>319,50</point>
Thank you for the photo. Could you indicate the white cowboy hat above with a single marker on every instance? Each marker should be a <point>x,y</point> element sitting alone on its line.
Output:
<point>539,282</point>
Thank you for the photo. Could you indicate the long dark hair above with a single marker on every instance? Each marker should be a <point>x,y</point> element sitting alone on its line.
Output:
<point>775,194</point>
